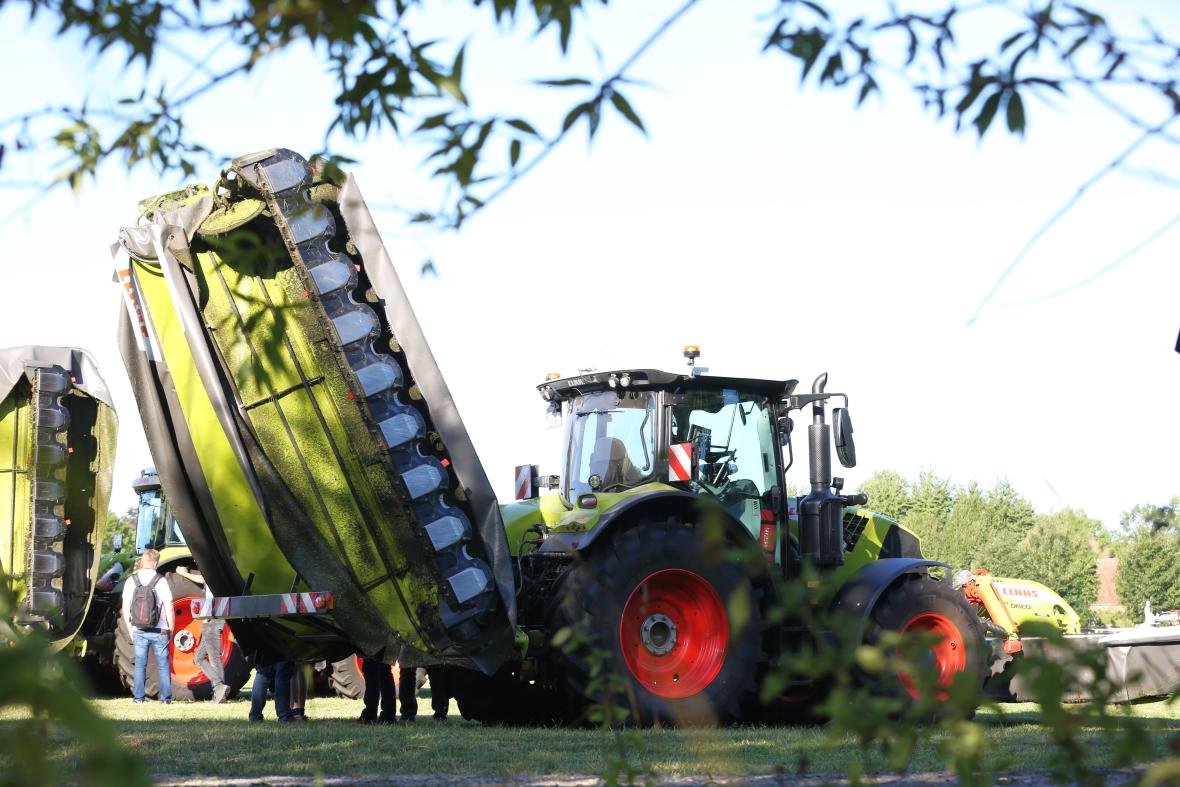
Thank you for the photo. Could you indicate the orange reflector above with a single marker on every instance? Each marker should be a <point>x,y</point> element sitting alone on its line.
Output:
<point>69,522</point>
<point>319,602</point>
<point>69,450</point>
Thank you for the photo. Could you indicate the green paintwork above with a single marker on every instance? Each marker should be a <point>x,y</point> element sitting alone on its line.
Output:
<point>249,538</point>
<point>868,546</point>
<point>550,510</point>
<point>16,455</point>
<point>303,432</point>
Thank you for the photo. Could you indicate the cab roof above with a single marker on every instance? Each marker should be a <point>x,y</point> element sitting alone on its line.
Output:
<point>653,379</point>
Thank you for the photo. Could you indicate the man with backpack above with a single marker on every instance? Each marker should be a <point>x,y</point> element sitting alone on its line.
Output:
<point>147,612</point>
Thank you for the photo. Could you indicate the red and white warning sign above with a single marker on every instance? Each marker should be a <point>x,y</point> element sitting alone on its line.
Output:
<point>524,482</point>
<point>680,462</point>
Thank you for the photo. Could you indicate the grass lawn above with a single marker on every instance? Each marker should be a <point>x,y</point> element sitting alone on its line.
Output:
<point>205,740</point>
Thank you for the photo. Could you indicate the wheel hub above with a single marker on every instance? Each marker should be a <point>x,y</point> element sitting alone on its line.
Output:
<point>184,641</point>
<point>658,634</point>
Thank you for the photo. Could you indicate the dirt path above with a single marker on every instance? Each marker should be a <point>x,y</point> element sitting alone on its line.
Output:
<point>1113,778</point>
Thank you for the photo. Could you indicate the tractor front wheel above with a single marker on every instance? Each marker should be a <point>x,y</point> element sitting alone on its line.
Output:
<point>660,628</point>
<point>923,606</point>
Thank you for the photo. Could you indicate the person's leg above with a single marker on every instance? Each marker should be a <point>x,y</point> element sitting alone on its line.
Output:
<point>283,671</point>
<point>388,694</point>
<point>263,677</point>
<point>139,643</point>
<point>298,699</point>
<point>160,644</point>
<point>440,694</point>
<point>369,669</point>
<point>407,692</point>
<point>211,632</point>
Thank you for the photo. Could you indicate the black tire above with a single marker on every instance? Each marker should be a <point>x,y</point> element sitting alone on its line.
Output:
<point>186,687</point>
<point>655,587</point>
<point>346,678</point>
<point>503,699</point>
<point>918,602</point>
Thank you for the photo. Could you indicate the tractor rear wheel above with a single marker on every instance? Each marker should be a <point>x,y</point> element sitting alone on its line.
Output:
<point>188,682</point>
<point>921,605</point>
<point>652,630</point>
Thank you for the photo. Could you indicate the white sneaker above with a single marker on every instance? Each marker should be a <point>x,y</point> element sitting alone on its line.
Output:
<point>219,694</point>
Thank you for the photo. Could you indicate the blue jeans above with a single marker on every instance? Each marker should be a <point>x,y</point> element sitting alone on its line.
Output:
<point>279,676</point>
<point>159,641</point>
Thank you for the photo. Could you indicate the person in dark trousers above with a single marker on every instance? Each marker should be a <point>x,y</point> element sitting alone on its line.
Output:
<point>407,689</point>
<point>378,690</point>
<point>276,675</point>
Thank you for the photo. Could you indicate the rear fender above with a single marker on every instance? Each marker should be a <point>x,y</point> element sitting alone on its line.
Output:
<point>860,593</point>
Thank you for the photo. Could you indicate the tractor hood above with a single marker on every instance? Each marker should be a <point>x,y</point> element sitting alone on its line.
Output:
<point>57,450</point>
<point>300,426</point>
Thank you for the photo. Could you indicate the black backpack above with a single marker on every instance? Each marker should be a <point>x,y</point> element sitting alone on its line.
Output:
<point>145,607</point>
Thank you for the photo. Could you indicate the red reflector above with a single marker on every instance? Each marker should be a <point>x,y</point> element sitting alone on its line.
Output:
<point>69,522</point>
<point>319,602</point>
<point>351,396</point>
<point>446,462</point>
<point>356,265</point>
<point>69,450</point>
<point>73,379</point>
<point>587,501</point>
<point>305,293</point>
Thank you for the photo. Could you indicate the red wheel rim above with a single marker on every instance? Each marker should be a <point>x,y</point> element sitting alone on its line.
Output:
<point>184,667</point>
<point>947,656</point>
<point>674,633</point>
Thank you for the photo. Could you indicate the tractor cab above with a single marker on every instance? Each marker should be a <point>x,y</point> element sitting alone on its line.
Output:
<point>715,436</point>
<point>156,526</point>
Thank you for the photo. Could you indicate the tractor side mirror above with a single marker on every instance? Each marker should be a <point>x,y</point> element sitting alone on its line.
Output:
<point>117,542</point>
<point>785,427</point>
<point>842,431</point>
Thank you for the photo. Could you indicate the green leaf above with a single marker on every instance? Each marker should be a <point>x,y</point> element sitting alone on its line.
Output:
<point>514,152</point>
<point>570,82</point>
<point>988,112</point>
<point>1010,40</point>
<point>1016,113</point>
<point>869,86</point>
<point>626,110</point>
<point>574,114</point>
<point>521,125</point>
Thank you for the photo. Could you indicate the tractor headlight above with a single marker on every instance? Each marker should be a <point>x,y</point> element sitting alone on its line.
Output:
<point>625,380</point>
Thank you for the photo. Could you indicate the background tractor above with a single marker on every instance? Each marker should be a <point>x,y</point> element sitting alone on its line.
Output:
<point>105,642</point>
<point>57,450</point>
<point>333,499</point>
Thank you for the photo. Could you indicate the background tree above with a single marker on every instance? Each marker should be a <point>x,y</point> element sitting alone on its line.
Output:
<point>122,526</point>
<point>1059,551</point>
<point>982,64</point>
<point>1149,557</point>
<point>889,494</point>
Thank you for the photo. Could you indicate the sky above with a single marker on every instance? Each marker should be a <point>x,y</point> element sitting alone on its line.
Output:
<point>782,229</point>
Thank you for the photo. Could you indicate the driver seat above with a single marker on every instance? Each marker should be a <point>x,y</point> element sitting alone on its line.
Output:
<point>610,462</point>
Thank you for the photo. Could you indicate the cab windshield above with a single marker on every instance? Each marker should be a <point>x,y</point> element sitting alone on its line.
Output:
<point>148,530</point>
<point>611,439</point>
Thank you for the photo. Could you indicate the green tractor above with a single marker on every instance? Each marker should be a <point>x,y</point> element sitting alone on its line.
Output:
<point>332,496</point>
<point>669,484</point>
<point>105,641</point>
<point>57,449</point>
